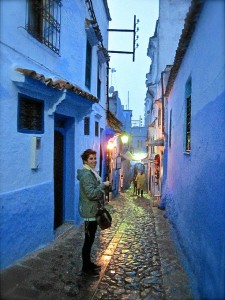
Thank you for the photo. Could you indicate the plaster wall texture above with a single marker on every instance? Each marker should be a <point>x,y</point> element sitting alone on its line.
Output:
<point>70,65</point>
<point>127,123</point>
<point>171,21</point>
<point>139,135</point>
<point>117,109</point>
<point>195,188</point>
<point>24,213</point>
<point>27,196</point>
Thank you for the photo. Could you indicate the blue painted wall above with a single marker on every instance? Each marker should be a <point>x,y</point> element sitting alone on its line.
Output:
<point>194,189</point>
<point>27,196</point>
<point>27,220</point>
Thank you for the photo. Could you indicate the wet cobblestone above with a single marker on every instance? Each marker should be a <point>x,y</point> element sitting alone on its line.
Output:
<point>134,269</point>
<point>137,255</point>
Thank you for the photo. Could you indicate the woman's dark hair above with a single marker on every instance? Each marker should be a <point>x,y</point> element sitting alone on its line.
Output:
<point>87,153</point>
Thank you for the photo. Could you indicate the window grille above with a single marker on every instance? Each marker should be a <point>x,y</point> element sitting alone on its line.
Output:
<point>188,124</point>
<point>188,117</point>
<point>30,115</point>
<point>99,82</point>
<point>96,128</point>
<point>86,126</point>
<point>170,129</point>
<point>44,22</point>
<point>88,65</point>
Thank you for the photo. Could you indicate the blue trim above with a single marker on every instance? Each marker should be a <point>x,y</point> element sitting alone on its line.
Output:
<point>68,166</point>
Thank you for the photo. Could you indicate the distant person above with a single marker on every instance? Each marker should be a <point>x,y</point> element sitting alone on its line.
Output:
<point>91,191</point>
<point>135,184</point>
<point>141,183</point>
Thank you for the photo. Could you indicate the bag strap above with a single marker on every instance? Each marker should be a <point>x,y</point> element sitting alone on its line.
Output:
<point>100,205</point>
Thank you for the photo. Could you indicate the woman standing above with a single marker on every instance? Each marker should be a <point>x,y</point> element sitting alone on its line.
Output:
<point>141,183</point>
<point>91,191</point>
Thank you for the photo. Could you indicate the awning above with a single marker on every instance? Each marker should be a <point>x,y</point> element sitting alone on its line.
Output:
<point>58,84</point>
<point>158,142</point>
<point>60,93</point>
<point>113,122</point>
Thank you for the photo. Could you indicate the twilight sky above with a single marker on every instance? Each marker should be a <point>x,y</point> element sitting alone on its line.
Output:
<point>129,77</point>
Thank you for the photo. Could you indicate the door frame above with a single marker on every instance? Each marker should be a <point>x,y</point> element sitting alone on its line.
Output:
<point>66,126</point>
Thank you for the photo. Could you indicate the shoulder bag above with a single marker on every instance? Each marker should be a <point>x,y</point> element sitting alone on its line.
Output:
<point>103,217</point>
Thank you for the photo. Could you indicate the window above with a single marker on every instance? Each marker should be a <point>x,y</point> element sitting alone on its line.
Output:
<point>99,82</point>
<point>43,22</point>
<point>86,126</point>
<point>96,128</point>
<point>170,128</point>
<point>30,115</point>
<point>88,65</point>
<point>188,117</point>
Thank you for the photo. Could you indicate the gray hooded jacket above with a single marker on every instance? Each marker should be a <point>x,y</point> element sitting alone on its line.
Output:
<point>91,191</point>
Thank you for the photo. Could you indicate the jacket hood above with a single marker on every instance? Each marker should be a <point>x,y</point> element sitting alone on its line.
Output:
<point>81,172</point>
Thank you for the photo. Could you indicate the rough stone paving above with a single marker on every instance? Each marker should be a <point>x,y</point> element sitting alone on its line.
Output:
<point>137,255</point>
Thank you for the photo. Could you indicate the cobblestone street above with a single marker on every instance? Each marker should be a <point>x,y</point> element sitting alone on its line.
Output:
<point>137,255</point>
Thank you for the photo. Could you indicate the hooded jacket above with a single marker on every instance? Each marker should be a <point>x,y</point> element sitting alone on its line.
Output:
<point>91,191</point>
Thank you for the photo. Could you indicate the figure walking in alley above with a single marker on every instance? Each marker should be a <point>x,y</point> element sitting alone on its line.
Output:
<point>91,192</point>
<point>141,183</point>
<point>135,184</point>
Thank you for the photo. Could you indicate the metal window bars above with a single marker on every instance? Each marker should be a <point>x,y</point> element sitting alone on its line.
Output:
<point>44,22</point>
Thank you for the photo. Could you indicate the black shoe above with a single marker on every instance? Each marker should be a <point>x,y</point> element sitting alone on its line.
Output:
<point>90,272</point>
<point>94,266</point>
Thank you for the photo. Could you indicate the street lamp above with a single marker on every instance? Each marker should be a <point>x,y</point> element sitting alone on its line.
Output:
<point>110,145</point>
<point>124,138</point>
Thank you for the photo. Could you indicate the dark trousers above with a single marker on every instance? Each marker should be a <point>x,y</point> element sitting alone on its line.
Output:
<point>90,230</point>
<point>141,192</point>
<point>135,188</point>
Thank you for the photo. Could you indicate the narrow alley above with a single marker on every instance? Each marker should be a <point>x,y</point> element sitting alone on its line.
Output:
<point>138,258</point>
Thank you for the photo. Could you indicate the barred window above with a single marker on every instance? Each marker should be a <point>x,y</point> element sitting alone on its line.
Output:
<point>43,22</point>
<point>170,129</point>
<point>96,128</point>
<point>188,117</point>
<point>99,82</point>
<point>30,115</point>
<point>86,126</point>
<point>88,65</point>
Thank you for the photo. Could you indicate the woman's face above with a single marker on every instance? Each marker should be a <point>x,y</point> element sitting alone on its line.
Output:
<point>91,161</point>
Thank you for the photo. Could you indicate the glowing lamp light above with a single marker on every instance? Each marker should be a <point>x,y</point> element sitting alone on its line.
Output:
<point>110,145</point>
<point>124,138</point>
<point>139,156</point>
